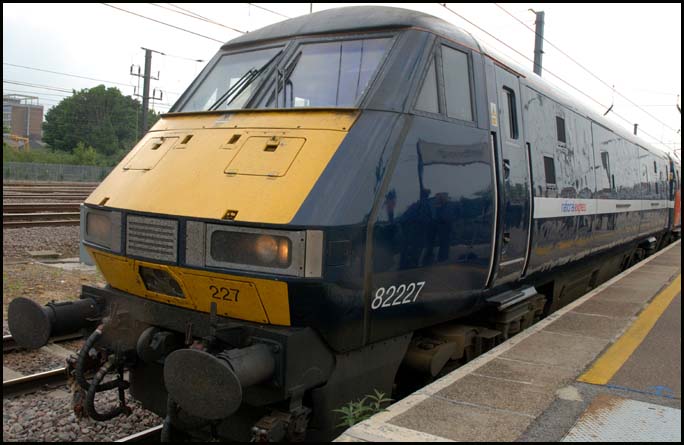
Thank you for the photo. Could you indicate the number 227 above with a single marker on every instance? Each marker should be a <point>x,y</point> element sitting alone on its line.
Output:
<point>224,294</point>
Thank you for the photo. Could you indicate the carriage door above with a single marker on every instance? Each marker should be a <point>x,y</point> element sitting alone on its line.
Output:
<point>515,202</point>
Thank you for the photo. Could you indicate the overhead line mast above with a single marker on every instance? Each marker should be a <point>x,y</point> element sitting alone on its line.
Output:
<point>146,89</point>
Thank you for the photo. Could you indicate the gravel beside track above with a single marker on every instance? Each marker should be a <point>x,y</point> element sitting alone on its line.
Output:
<point>32,362</point>
<point>72,345</point>
<point>17,241</point>
<point>43,283</point>
<point>46,416</point>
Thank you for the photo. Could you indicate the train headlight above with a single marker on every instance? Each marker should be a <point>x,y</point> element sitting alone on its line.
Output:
<point>102,227</point>
<point>273,250</point>
<point>295,253</point>
<point>98,226</point>
<point>251,249</point>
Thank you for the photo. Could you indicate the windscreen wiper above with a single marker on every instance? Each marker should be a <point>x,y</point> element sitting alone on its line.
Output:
<point>243,83</point>
<point>249,74</point>
<point>286,79</point>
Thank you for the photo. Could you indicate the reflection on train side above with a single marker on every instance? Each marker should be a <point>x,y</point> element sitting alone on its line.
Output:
<point>451,216</point>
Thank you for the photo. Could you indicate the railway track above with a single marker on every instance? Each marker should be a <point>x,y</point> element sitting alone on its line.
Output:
<point>45,196</point>
<point>48,184</point>
<point>34,382</point>
<point>35,207</point>
<point>15,224</point>
<point>9,345</point>
<point>149,435</point>
<point>46,191</point>
<point>15,190</point>
<point>40,219</point>
<point>40,214</point>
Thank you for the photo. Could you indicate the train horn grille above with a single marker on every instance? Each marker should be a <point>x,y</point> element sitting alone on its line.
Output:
<point>152,238</point>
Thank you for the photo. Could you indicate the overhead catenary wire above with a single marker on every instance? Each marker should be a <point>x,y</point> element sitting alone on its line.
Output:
<point>36,85</point>
<point>586,69</point>
<point>164,23</point>
<point>547,70</point>
<point>193,13</point>
<point>66,74</point>
<point>38,93</point>
<point>45,87</point>
<point>181,57</point>
<point>269,10</point>
<point>197,17</point>
<point>84,77</point>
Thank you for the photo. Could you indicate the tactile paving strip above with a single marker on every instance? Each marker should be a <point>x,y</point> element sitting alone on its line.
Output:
<point>614,419</point>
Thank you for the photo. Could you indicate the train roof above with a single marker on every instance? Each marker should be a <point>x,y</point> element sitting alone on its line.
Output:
<point>353,19</point>
<point>371,18</point>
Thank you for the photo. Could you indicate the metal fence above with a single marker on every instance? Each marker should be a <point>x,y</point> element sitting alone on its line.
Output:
<point>53,172</point>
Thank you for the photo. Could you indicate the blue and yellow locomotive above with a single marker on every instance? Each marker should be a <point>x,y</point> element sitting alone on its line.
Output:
<point>335,200</point>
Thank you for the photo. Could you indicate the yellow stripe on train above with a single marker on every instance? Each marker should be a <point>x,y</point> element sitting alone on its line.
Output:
<point>250,299</point>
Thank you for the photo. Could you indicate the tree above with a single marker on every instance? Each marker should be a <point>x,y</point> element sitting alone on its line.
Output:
<point>98,117</point>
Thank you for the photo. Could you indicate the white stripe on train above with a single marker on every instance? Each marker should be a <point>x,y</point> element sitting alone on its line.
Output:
<point>559,207</point>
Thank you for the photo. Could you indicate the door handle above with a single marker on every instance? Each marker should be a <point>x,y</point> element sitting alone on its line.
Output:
<point>507,237</point>
<point>507,168</point>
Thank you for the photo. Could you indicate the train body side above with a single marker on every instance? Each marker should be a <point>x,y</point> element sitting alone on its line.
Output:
<point>423,214</point>
<point>593,190</point>
<point>675,197</point>
<point>457,191</point>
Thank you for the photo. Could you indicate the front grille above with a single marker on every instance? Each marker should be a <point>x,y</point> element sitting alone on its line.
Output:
<point>152,238</point>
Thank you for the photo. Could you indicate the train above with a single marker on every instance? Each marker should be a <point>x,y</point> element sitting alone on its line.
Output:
<point>340,203</point>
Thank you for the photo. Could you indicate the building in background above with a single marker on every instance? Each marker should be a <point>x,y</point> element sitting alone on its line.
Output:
<point>23,116</point>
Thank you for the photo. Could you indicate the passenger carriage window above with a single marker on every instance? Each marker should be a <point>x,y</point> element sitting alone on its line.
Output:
<point>605,161</point>
<point>512,114</point>
<point>560,129</point>
<point>427,99</point>
<point>457,84</point>
<point>549,170</point>
<point>645,180</point>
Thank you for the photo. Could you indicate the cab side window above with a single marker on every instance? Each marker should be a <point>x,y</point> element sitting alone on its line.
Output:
<point>457,84</point>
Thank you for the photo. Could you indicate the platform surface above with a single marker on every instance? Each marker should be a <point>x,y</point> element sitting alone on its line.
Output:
<point>607,367</point>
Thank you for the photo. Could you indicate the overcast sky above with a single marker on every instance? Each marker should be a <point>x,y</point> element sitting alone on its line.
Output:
<point>636,47</point>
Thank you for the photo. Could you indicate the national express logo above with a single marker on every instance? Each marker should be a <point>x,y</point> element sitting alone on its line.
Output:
<point>572,207</point>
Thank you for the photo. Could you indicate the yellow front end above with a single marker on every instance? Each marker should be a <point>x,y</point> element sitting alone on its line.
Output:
<point>256,166</point>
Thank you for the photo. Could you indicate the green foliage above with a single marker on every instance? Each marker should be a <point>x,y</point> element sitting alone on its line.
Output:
<point>99,117</point>
<point>82,155</point>
<point>355,412</point>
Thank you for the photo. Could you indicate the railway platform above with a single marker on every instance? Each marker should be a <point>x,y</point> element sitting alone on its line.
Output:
<point>607,367</point>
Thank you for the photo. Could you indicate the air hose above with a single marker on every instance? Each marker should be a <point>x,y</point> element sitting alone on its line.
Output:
<point>93,387</point>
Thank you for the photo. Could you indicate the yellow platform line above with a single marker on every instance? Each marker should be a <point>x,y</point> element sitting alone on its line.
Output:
<point>609,363</point>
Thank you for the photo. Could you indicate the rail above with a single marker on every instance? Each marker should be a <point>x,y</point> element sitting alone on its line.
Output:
<point>34,382</point>
<point>35,207</point>
<point>149,435</point>
<point>8,343</point>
